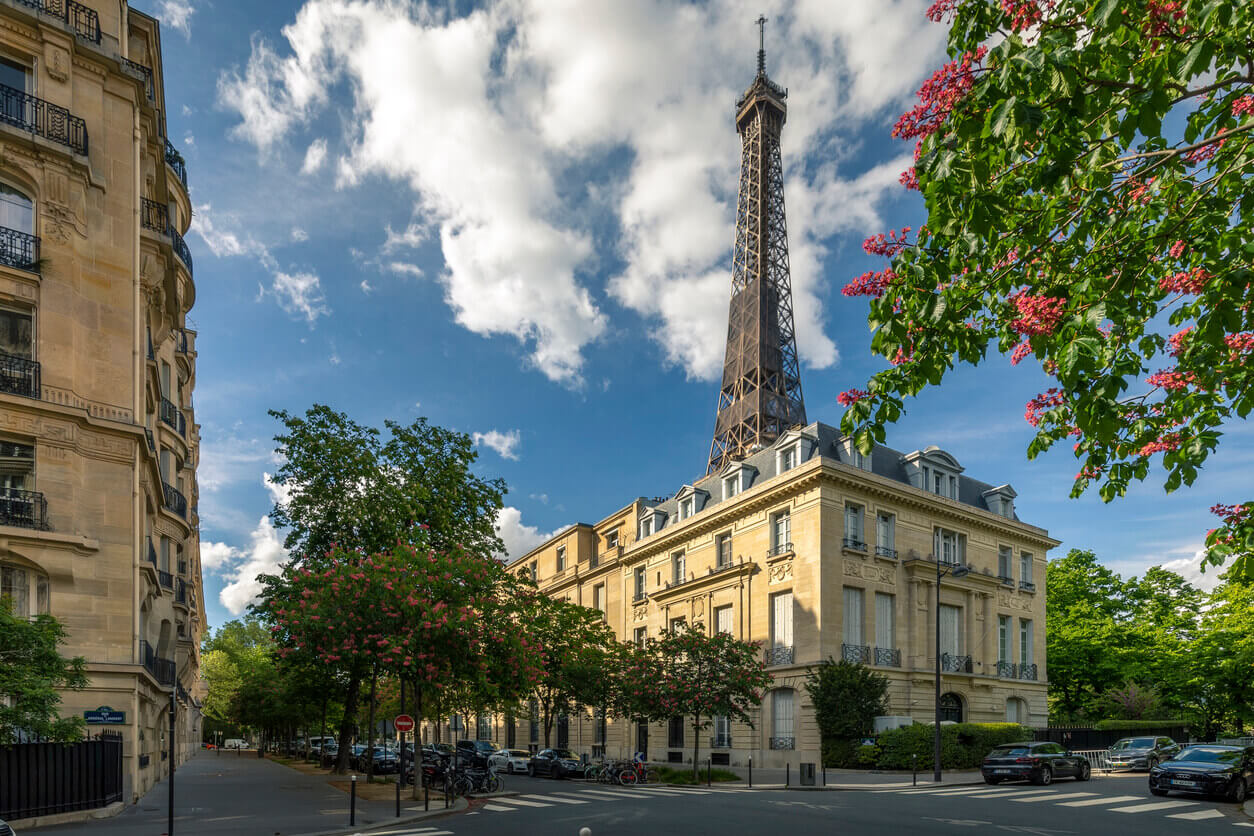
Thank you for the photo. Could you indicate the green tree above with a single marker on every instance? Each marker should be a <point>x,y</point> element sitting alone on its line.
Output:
<point>32,670</point>
<point>847,697</point>
<point>1085,167</point>
<point>1216,672</point>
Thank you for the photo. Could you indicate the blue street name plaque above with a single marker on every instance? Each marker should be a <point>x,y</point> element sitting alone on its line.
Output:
<point>104,714</point>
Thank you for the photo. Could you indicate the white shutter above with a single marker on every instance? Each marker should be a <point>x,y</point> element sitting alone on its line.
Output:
<point>853,616</point>
<point>1003,638</point>
<point>1025,641</point>
<point>951,636</point>
<point>724,624</point>
<point>884,617</point>
<point>781,709</point>
<point>782,632</point>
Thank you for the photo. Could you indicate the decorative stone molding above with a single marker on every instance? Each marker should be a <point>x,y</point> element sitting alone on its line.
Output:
<point>96,409</point>
<point>57,62</point>
<point>64,207</point>
<point>779,573</point>
<point>1013,602</point>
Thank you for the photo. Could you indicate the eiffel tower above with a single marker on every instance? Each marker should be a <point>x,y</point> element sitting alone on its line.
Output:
<point>760,397</point>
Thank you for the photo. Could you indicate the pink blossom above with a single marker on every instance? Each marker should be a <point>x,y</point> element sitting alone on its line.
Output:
<point>1037,314</point>
<point>1022,350</point>
<point>1048,400</point>
<point>1193,281</point>
<point>1168,442</point>
<point>1177,249</point>
<point>1239,345</point>
<point>1176,341</point>
<point>851,397</point>
<point>1243,105</point>
<point>870,283</point>
<point>939,95</point>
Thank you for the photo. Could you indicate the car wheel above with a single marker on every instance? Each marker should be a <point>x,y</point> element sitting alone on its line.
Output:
<point>509,767</point>
<point>558,773</point>
<point>988,779</point>
<point>1045,777</point>
<point>1151,763</point>
<point>1157,791</point>
<point>1239,790</point>
<point>1085,772</point>
<point>531,770</point>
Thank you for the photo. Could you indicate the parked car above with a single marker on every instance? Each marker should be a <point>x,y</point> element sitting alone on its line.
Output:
<point>328,754</point>
<point>235,743</point>
<point>1207,768</point>
<point>385,761</point>
<point>1039,763</point>
<point>355,759</point>
<point>474,752</point>
<point>509,760</point>
<point>555,763</point>
<point>5,830</point>
<point>1142,752</point>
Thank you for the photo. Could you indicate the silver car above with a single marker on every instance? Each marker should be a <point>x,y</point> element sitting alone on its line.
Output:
<point>1142,752</point>
<point>509,760</point>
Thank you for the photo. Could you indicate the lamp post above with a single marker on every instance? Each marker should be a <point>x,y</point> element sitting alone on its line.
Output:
<point>957,570</point>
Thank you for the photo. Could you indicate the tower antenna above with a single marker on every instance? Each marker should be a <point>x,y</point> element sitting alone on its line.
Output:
<point>761,44</point>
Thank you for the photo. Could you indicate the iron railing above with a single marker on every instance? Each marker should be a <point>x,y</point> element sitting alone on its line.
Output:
<point>162,669</point>
<point>782,655</point>
<point>859,653</point>
<point>172,416</point>
<point>142,72</point>
<point>180,248</point>
<point>44,778</point>
<point>152,553</point>
<point>84,21</point>
<point>154,215</point>
<point>180,341</point>
<point>1007,670</point>
<point>955,664</point>
<point>19,376</point>
<point>720,741</point>
<point>165,578</point>
<point>24,509</point>
<point>855,544</point>
<point>180,591</point>
<point>53,122</point>
<point>1006,579</point>
<point>779,548</point>
<point>19,249</point>
<point>885,551</point>
<point>1027,672</point>
<point>175,160</point>
<point>889,657</point>
<point>174,500</point>
<point>783,743</point>
<point>1027,586</point>
<point>151,354</point>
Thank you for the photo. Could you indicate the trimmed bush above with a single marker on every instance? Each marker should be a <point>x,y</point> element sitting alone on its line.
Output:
<point>1139,725</point>
<point>963,745</point>
<point>667,775</point>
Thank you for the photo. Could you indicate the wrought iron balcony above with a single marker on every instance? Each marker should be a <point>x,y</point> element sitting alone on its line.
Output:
<point>888,657</point>
<point>19,249</point>
<point>19,376</point>
<point>175,161</point>
<point>721,741</point>
<point>24,509</point>
<point>154,216</point>
<point>141,72</point>
<point>180,248</point>
<point>885,551</point>
<point>84,21</point>
<point>955,664</point>
<point>780,655</point>
<point>783,743</point>
<point>1007,670</point>
<point>779,548</point>
<point>180,340</point>
<point>165,578</point>
<point>859,653</point>
<point>639,598</point>
<point>1027,586</point>
<point>1027,672</point>
<point>152,553</point>
<point>162,669</point>
<point>34,115</point>
<point>1006,579</point>
<point>854,543</point>
<point>172,416</point>
<point>174,500</point>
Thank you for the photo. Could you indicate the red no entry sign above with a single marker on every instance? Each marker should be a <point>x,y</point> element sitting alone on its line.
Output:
<point>403,723</point>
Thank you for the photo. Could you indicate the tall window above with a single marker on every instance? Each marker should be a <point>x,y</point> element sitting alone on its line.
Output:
<point>598,598</point>
<point>853,616</point>
<point>782,718</point>
<point>677,624</point>
<point>724,550</point>
<point>1025,567</point>
<point>17,466</point>
<point>951,547</point>
<point>885,620</point>
<point>17,335</point>
<point>788,458</point>
<point>686,508</point>
<point>1005,556</point>
<point>534,571</point>
<point>886,533</point>
<point>675,733</point>
<point>678,572</point>
<point>723,619</point>
<point>165,554</point>
<point>781,531</point>
<point>535,722</point>
<point>722,733</point>
<point>1016,710</point>
<point>639,636</point>
<point>853,525</point>
<point>16,584</point>
<point>484,728</point>
<point>638,575</point>
<point>16,77</point>
<point>1003,638</point>
<point>951,630</point>
<point>781,619</point>
<point>561,558</point>
<point>1025,641</point>
<point>646,527</point>
<point>165,380</point>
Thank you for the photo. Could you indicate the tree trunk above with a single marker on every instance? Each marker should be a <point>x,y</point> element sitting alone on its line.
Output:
<point>548,723</point>
<point>374,683</point>
<point>417,739</point>
<point>696,742</point>
<point>346,723</point>
<point>322,742</point>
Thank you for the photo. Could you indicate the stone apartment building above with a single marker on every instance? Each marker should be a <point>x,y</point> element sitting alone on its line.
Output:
<point>815,551</point>
<point>98,442</point>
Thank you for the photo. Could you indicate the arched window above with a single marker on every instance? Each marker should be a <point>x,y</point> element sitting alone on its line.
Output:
<point>1016,710</point>
<point>27,590</point>
<point>951,708</point>
<point>17,211</point>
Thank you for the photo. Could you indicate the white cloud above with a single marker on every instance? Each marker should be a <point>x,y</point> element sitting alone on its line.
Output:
<point>299,234</point>
<point>1190,568</point>
<point>300,294</point>
<point>279,494</point>
<point>264,555</point>
<point>504,443</point>
<point>542,498</point>
<point>215,556</point>
<point>189,139</point>
<point>366,286</point>
<point>495,118</point>
<point>227,459</point>
<point>176,14</point>
<point>314,157</point>
<point>406,269</point>
<point>518,538</point>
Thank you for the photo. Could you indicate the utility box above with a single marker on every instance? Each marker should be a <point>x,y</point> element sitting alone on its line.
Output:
<point>807,774</point>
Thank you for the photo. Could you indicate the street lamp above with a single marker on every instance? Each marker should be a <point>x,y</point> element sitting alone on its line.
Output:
<point>956,570</point>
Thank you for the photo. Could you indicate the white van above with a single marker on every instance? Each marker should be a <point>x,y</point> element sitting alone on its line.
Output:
<point>234,743</point>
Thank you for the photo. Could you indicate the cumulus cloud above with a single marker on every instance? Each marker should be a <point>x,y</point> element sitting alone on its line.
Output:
<point>215,556</point>
<point>404,268</point>
<point>228,459</point>
<point>264,555</point>
<point>504,443</point>
<point>299,235</point>
<point>299,294</point>
<point>542,92</point>
<point>518,538</point>
<point>314,157</point>
<point>176,14</point>
<point>1190,568</point>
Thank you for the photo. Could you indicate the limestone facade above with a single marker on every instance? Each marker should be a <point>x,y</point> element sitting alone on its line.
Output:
<point>98,441</point>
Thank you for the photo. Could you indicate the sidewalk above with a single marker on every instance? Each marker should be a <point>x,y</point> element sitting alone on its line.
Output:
<point>838,779</point>
<point>216,795</point>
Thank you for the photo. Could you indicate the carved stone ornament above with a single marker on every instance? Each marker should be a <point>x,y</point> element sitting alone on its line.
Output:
<point>780,572</point>
<point>57,60</point>
<point>1013,602</point>
<point>152,278</point>
<point>65,207</point>
<point>639,613</point>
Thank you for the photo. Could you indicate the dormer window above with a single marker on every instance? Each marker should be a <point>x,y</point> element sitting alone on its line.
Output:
<point>1001,501</point>
<point>611,539</point>
<point>685,508</point>
<point>851,455</point>
<point>934,471</point>
<point>788,458</point>
<point>737,479</point>
<point>646,527</point>
<point>731,486</point>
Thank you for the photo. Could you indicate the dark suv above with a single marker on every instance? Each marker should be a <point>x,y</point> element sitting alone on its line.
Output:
<point>1142,752</point>
<point>474,753</point>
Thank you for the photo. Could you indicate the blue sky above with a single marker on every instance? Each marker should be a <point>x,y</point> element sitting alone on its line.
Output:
<point>515,218</point>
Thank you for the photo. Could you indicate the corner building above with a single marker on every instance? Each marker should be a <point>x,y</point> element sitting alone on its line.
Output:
<point>98,496</point>
<point>815,551</point>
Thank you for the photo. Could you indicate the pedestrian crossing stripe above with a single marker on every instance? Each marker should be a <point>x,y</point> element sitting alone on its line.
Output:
<point>554,797</point>
<point>1053,797</point>
<point>1161,805</point>
<point>521,802</point>
<point>497,808</point>
<point>1197,815</point>
<point>1110,799</point>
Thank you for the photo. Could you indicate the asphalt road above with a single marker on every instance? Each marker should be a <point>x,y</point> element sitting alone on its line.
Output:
<point>1105,805</point>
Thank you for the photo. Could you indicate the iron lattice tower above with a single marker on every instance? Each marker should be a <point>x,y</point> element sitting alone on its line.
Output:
<point>760,397</point>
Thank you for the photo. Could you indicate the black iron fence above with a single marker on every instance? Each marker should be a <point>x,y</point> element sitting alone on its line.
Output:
<point>163,670</point>
<point>859,653</point>
<point>42,779</point>
<point>84,21</point>
<point>172,416</point>
<point>783,743</point>
<point>1085,737</point>
<point>885,551</point>
<point>955,664</point>
<point>19,376</point>
<point>889,657</point>
<point>180,248</point>
<point>779,656</point>
<point>53,122</point>
<point>779,548</point>
<point>854,543</point>
<point>141,72</point>
<point>25,509</point>
<point>154,215</point>
<point>174,500</point>
<point>19,249</point>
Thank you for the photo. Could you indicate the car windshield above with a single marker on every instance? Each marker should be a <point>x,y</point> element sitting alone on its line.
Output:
<point>1134,743</point>
<point>1008,751</point>
<point>484,746</point>
<point>564,753</point>
<point>519,753</point>
<point>1209,754</point>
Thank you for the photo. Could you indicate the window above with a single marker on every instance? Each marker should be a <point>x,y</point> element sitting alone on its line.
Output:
<point>534,572</point>
<point>561,558</point>
<point>853,526</point>
<point>17,467</point>
<point>639,578</point>
<point>17,336</point>
<point>951,708</point>
<point>723,619</point>
<point>731,486</point>
<point>484,728</point>
<point>723,542</point>
<point>639,636</point>
<point>17,77</point>
<point>16,583</point>
<point>598,598</point>
<point>535,722</point>
<point>951,630</point>
<point>938,483</point>
<point>1003,639</point>
<point>646,527</point>
<point>782,718</point>
<point>677,624</point>
<point>951,547</point>
<point>885,620</point>
<point>611,539</point>
<point>1025,567</point>
<point>1005,557</point>
<point>678,575</point>
<point>781,532</point>
<point>853,616</point>
<point>781,619</point>
<point>675,733</point>
<point>165,380</point>
<point>165,554</point>
<point>953,487</point>
<point>1016,710</point>
<point>685,508</point>
<point>788,458</point>
<point>886,534</point>
<point>722,733</point>
<point>598,717</point>
<point>1025,641</point>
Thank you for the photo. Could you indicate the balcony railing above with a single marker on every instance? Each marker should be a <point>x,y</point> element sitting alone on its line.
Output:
<point>174,500</point>
<point>1006,579</point>
<point>19,249</point>
<point>24,509</point>
<point>162,669</point>
<point>165,578</point>
<point>639,598</point>
<point>782,655</point>
<point>151,354</point>
<point>172,416</point>
<point>888,657</point>
<point>140,71</point>
<point>175,160</point>
<point>180,248</point>
<point>859,653</point>
<point>885,551</point>
<point>154,216</point>
<point>180,341</point>
<point>19,376</point>
<point>955,664</point>
<point>721,741</point>
<point>1027,672</point>
<point>152,553</point>
<point>1007,670</point>
<point>180,591</point>
<point>855,544</point>
<point>34,115</point>
<point>1027,586</point>
<point>152,443</point>
<point>783,743</point>
<point>84,21</point>
<point>779,548</point>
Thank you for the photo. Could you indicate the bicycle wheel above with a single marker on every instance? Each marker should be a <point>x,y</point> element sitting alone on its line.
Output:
<point>650,776</point>
<point>494,783</point>
<point>627,777</point>
<point>463,786</point>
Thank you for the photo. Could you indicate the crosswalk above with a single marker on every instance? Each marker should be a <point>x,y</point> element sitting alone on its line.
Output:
<point>511,803</point>
<point>1176,808</point>
<point>408,831</point>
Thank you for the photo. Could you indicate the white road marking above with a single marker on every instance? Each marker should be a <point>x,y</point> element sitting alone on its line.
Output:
<point>521,803</point>
<point>1110,799</point>
<point>1036,798</point>
<point>1197,815</point>
<point>1161,805</point>
<point>496,808</point>
<point>554,797</point>
<point>602,793</point>
<point>660,791</point>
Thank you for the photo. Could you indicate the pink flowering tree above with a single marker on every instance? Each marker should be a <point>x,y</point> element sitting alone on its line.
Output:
<point>1086,170</point>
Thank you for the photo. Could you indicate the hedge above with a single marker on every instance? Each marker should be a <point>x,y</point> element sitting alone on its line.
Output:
<point>963,746</point>
<point>1138,725</point>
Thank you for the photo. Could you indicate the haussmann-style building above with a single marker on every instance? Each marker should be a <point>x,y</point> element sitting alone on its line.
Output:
<point>98,443</point>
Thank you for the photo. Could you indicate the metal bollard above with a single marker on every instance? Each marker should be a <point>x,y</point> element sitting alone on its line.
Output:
<point>787,774</point>
<point>750,773</point>
<point>352,803</point>
<point>709,768</point>
<point>914,770</point>
<point>825,774</point>
<point>426,797</point>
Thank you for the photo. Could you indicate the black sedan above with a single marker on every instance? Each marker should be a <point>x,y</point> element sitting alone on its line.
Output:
<point>556,763</point>
<point>1039,763</point>
<point>1209,769</point>
<point>1142,752</point>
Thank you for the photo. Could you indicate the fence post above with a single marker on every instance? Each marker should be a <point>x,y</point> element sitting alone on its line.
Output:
<point>173,706</point>
<point>709,769</point>
<point>352,803</point>
<point>426,796</point>
<point>750,772</point>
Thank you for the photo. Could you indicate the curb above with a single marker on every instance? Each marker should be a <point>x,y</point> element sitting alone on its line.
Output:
<point>459,806</point>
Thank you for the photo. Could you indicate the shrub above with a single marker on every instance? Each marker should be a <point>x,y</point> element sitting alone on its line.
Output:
<point>963,745</point>
<point>1139,725</point>
<point>667,775</point>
